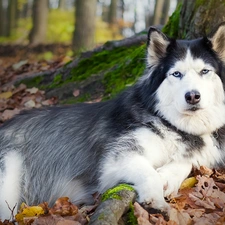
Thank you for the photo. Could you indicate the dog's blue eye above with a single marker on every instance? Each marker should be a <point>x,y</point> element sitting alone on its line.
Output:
<point>204,71</point>
<point>177,74</point>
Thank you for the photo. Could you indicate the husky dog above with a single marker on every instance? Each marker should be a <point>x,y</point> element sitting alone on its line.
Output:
<point>150,136</point>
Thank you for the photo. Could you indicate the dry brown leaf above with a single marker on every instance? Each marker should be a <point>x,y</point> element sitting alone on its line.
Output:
<point>55,220</point>
<point>8,114</point>
<point>76,92</point>
<point>141,214</point>
<point>64,207</point>
<point>206,219</point>
<point>205,171</point>
<point>180,217</point>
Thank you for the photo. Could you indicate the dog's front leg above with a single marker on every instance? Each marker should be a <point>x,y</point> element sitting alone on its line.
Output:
<point>172,175</point>
<point>135,169</point>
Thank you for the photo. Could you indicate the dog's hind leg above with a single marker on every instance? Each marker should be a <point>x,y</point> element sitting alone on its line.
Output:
<point>10,184</point>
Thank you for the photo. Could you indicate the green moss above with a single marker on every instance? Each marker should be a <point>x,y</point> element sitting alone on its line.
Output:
<point>101,216</point>
<point>112,193</point>
<point>57,82</point>
<point>73,100</point>
<point>32,82</point>
<point>120,67</point>
<point>131,218</point>
<point>172,27</point>
<point>99,62</point>
<point>126,73</point>
<point>199,3</point>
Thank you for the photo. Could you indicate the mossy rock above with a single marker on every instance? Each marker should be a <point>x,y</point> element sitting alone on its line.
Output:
<point>117,69</point>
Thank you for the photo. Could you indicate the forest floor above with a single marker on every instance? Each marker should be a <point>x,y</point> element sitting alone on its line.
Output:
<point>201,199</point>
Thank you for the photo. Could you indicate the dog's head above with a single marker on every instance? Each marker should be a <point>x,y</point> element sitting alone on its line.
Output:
<point>187,79</point>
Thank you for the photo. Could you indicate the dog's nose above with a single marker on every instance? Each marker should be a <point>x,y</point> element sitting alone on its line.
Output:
<point>192,97</point>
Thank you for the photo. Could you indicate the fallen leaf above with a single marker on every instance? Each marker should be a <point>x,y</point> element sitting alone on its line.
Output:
<point>32,90</point>
<point>64,207</point>
<point>9,113</point>
<point>180,217</point>
<point>141,214</point>
<point>6,95</point>
<point>188,183</point>
<point>16,66</point>
<point>76,92</point>
<point>29,211</point>
<point>30,104</point>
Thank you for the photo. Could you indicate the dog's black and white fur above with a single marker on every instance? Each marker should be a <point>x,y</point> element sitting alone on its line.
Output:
<point>149,136</point>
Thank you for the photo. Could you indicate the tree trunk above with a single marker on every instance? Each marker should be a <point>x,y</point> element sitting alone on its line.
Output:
<point>3,19</point>
<point>197,18</point>
<point>113,12</point>
<point>40,17</point>
<point>165,14</point>
<point>83,37</point>
<point>62,4</point>
<point>12,16</point>
<point>158,12</point>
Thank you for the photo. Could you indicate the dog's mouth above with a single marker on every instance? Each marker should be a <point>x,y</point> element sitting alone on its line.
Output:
<point>193,109</point>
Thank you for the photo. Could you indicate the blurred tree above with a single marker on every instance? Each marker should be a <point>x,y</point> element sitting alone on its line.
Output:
<point>40,16</point>
<point>85,13</point>
<point>25,8</point>
<point>158,12</point>
<point>12,16</point>
<point>8,17</point>
<point>1,18</point>
<point>113,12</point>
<point>165,13</point>
<point>62,4</point>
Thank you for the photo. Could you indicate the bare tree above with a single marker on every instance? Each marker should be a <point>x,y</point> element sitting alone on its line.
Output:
<point>158,12</point>
<point>40,17</point>
<point>12,16</point>
<point>165,14</point>
<point>83,37</point>
<point>62,4</point>
<point>113,12</point>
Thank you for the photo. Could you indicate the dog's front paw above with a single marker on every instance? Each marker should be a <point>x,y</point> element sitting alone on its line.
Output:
<point>171,184</point>
<point>152,196</point>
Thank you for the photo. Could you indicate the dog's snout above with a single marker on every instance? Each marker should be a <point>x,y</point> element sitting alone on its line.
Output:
<point>192,97</point>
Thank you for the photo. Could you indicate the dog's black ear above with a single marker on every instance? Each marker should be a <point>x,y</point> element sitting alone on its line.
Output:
<point>217,39</point>
<point>157,44</point>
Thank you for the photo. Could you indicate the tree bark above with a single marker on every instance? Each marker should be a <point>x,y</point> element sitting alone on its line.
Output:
<point>62,4</point>
<point>40,17</point>
<point>197,19</point>
<point>3,20</point>
<point>113,12</point>
<point>158,12</point>
<point>165,15</point>
<point>12,16</point>
<point>83,37</point>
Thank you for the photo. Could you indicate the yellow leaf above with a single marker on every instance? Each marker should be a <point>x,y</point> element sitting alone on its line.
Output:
<point>28,212</point>
<point>188,183</point>
<point>5,95</point>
